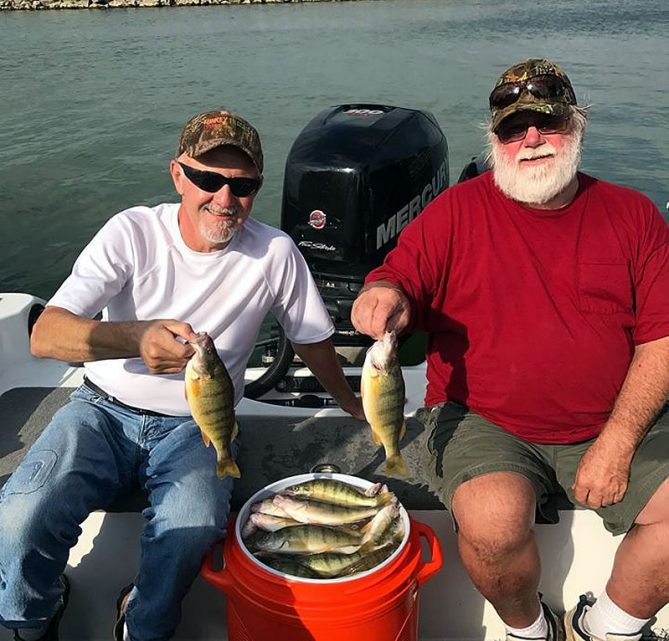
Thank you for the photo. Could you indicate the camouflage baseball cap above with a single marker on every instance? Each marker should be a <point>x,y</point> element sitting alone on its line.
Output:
<point>212,129</point>
<point>535,84</point>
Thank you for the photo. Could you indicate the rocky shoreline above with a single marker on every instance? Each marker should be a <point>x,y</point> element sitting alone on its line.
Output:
<point>38,5</point>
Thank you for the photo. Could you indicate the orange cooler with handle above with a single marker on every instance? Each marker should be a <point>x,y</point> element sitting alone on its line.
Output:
<point>380,604</point>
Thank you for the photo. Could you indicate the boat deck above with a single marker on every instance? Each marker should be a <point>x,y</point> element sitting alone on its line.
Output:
<point>273,447</point>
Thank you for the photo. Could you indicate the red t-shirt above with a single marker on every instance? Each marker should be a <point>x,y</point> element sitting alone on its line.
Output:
<point>533,315</point>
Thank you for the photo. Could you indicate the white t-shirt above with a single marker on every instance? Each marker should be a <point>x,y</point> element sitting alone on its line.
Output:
<point>138,267</point>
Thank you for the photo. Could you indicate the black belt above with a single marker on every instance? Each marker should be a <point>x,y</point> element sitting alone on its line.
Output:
<point>100,392</point>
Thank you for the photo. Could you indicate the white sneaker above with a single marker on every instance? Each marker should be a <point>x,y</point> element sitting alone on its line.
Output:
<point>575,630</point>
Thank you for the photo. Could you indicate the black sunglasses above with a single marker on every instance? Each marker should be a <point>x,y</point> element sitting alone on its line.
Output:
<point>212,182</point>
<point>546,87</point>
<point>512,129</point>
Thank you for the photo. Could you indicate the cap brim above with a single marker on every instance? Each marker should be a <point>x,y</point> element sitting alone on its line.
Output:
<point>551,109</point>
<point>194,151</point>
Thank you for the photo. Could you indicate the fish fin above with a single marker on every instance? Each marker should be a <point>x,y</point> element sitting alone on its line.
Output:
<point>227,467</point>
<point>403,429</point>
<point>395,466</point>
<point>346,549</point>
<point>193,388</point>
<point>366,547</point>
<point>235,431</point>
<point>205,438</point>
<point>375,437</point>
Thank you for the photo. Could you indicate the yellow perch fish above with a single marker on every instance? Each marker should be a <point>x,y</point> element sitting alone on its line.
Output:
<point>308,539</point>
<point>317,512</point>
<point>374,531</point>
<point>382,392</point>
<point>370,560</point>
<point>331,564</point>
<point>271,523</point>
<point>290,565</point>
<point>266,506</point>
<point>211,399</point>
<point>337,493</point>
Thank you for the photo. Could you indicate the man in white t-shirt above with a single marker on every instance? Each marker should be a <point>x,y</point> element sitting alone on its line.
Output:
<point>158,274</point>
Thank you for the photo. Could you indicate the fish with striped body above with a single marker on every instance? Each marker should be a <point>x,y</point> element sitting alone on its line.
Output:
<point>329,565</point>
<point>210,397</point>
<point>271,523</point>
<point>308,539</point>
<point>338,493</point>
<point>290,565</point>
<point>266,506</point>
<point>321,513</point>
<point>369,560</point>
<point>375,530</point>
<point>382,392</point>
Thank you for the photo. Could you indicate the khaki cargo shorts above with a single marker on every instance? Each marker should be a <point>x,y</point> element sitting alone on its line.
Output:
<point>460,445</point>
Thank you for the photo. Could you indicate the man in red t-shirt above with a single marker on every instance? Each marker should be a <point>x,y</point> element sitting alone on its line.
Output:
<point>545,296</point>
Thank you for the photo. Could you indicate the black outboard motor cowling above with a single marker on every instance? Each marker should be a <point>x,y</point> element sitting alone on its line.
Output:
<point>355,176</point>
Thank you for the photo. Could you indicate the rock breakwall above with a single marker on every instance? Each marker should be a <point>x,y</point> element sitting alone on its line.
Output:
<point>38,5</point>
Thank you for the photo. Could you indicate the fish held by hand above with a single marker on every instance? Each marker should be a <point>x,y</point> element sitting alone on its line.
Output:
<point>210,396</point>
<point>382,391</point>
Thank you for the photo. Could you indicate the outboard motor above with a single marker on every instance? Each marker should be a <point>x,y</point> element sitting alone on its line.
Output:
<point>355,176</point>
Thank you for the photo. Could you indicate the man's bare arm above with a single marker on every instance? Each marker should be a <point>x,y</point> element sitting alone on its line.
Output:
<point>321,359</point>
<point>603,472</point>
<point>62,335</point>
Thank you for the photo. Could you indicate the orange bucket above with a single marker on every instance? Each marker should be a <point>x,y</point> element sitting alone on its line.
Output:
<point>380,604</point>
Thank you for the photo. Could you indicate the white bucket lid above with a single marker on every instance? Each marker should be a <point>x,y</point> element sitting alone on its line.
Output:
<point>278,486</point>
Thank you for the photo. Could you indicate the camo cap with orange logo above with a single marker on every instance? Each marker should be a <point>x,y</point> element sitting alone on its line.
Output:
<point>213,129</point>
<point>535,84</point>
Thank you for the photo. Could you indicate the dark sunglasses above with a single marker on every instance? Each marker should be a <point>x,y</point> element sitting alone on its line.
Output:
<point>212,182</point>
<point>547,87</point>
<point>512,129</point>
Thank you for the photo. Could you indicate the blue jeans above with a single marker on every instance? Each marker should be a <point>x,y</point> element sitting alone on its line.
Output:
<point>92,452</point>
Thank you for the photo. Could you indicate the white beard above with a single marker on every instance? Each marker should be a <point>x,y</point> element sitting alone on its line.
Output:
<point>536,185</point>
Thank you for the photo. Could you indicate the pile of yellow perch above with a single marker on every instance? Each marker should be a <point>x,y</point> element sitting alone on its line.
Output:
<point>324,528</point>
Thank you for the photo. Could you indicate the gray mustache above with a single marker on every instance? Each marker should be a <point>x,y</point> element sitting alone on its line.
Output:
<point>222,211</point>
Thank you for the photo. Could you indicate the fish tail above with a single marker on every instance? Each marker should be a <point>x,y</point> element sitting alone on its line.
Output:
<point>227,467</point>
<point>366,548</point>
<point>395,466</point>
<point>386,498</point>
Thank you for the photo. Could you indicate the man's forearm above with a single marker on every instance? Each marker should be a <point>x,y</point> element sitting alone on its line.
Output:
<point>643,394</point>
<point>321,359</point>
<point>65,336</point>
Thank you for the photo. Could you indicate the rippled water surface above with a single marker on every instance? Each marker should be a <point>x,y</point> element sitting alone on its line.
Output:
<point>93,101</point>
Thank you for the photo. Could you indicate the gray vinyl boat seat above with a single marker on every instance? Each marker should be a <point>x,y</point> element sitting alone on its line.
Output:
<point>271,449</point>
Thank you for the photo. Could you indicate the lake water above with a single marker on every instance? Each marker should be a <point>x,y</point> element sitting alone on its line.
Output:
<point>93,101</point>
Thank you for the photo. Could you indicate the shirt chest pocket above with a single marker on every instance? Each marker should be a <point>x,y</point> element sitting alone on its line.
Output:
<point>605,288</point>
